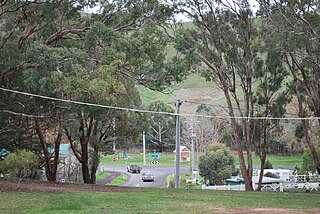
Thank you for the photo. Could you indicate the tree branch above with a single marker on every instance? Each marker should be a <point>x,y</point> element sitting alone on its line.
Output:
<point>29,32</point>
<point>59,35</point>
<point>23,65</point>
<point>22,114</point>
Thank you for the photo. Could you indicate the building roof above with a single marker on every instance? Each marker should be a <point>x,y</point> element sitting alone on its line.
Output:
<point>182,148</point>
<point>255,179</point>
<point>63,150</point>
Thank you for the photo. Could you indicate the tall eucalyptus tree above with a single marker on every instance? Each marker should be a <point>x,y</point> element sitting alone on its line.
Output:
<point>296,25</point>
<point>222,42</point>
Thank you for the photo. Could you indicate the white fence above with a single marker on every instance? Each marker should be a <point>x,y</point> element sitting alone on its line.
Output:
<point>225,187</point>
<point>269,187</point>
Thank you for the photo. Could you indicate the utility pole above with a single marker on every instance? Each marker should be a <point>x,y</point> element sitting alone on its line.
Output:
<point>177,180</point>
<point>144,147</point>
<point>193,136</point>
<point>192,139</point>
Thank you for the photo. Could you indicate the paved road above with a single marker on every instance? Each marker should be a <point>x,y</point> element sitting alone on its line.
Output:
<point>134,180</point>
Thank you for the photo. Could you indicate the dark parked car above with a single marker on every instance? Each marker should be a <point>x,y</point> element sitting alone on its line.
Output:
<point>147,176</point>
<point>134,168</point>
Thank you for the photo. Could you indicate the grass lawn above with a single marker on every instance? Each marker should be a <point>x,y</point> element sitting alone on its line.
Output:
<point>101,176</point>
<point>169,160</point>
<point>276,160</point>
<point>194,88</point>
<point>119,180</point>
<point>165,160</point>
<point>151,200</point>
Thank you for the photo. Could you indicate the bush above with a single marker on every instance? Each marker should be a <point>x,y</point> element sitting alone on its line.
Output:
<point>271,175</point>
<point>308,162</point>
<point>268,165</point>
<point>19,164</point>
<point>216,166</point>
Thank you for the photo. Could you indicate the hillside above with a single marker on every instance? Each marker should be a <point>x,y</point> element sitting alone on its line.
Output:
<point>193,91</point>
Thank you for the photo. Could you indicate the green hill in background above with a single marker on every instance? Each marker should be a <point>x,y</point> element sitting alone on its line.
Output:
<point>193,91</point>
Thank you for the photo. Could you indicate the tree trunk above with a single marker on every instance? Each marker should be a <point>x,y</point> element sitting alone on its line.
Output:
<point>263,154</point>
<point>84,143</point>
<point>246,173</point>
<point>85,163</point>
<point>95,156</point>
<point>262,162</point>
<point>51,165</point>
<point>311,145</point>
<point>57,143</point>
<point>308,139</point>
<point>160,139</point>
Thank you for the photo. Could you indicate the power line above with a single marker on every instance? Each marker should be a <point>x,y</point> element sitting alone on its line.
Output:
<point>87,104</point>
<point>220,106</point>
<point>155,112</point>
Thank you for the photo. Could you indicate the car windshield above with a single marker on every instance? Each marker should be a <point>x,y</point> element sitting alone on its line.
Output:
<point>147,174</point>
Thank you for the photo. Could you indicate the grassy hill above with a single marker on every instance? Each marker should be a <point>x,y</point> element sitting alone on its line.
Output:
<point>193,91</point>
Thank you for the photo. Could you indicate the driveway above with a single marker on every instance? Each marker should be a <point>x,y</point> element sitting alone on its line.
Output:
<point>134,179</point>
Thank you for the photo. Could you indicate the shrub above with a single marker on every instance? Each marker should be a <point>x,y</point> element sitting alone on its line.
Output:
<point>216,166</point>
<point>307,161</point>
<point>268,165</point>
<point>271,175</point>
<point>19,164</point>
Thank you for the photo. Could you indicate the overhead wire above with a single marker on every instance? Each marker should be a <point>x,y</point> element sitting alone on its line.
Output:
<point>154,112</point>
<point>225,108</point>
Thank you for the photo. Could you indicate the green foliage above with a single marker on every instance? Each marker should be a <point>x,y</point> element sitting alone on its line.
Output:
<point>19,163</point>
<point>226,138</point>
<point>298,133</point>
<point>271,175</point>
<point>268,165</point>
<point>216,165</point>
<point>308,164</point>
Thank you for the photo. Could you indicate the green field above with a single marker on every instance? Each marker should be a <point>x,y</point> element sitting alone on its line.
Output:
<point>169,160</point>
<point>165,160</point>
<point>195,89</point>
<point>276,160</point>
<point>150,200</point>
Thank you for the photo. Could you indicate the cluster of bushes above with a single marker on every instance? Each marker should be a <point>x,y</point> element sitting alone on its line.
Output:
<point>19,164</point>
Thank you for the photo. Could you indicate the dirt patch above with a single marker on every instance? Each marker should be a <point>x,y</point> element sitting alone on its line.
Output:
<point>55,187</point>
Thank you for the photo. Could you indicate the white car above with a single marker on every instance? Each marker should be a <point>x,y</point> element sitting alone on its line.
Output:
<point>147,176</point>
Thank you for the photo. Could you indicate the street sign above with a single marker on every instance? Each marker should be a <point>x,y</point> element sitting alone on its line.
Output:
<point>155,156</point>
<point>154,162</point>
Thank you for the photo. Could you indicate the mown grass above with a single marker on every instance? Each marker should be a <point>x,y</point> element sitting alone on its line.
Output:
<point>101,176</point>
<point>154,201</point>
<point>167,159</point>
<point>119,179</point>
<point>276,160</point>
